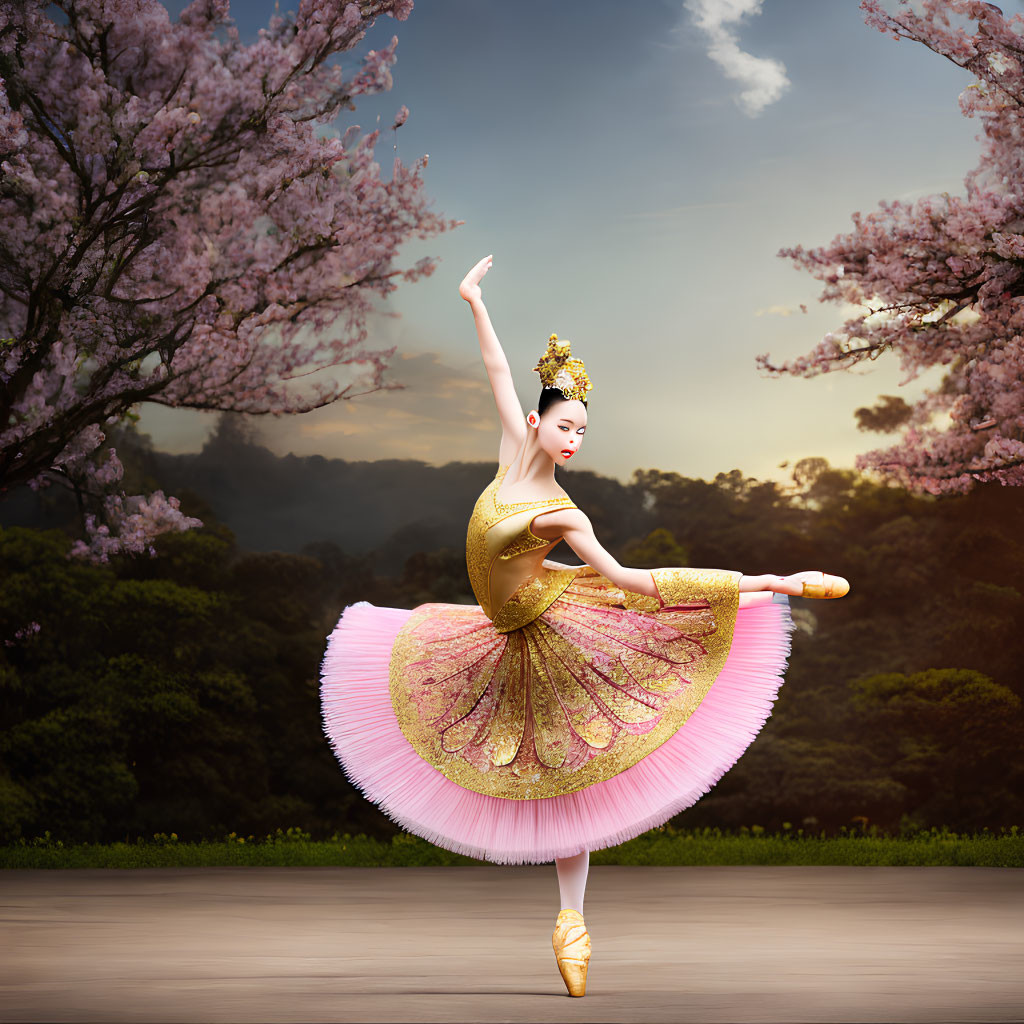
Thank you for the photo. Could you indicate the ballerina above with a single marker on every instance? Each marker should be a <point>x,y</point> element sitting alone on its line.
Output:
<point>574,707</point>
<point>532,455</point>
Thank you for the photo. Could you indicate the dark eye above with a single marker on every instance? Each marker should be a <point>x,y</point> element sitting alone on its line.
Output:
<point>560,427</point>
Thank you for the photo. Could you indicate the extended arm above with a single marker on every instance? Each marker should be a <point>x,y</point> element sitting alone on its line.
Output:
<point>510,412</point>
<point>575,527</point>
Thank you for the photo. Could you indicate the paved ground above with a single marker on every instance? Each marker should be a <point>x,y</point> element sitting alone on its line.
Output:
<point>738,944</point>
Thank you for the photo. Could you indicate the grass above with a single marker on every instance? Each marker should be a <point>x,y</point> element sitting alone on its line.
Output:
<point>665,846</point>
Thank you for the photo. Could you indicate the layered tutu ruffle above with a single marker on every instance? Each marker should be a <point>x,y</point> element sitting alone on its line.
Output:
<point>360,722</point>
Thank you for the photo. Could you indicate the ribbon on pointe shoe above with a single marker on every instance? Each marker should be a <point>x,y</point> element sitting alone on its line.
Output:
<point>571,942</point>
<point>829,587</point>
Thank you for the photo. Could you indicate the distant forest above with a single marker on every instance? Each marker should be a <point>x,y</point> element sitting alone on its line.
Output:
<point>181,693</point>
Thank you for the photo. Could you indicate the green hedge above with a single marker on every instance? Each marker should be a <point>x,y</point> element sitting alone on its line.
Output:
<point>663,846</point>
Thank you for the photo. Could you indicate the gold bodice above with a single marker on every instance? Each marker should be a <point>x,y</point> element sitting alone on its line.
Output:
<point>504,558</point>
<point>560,679</point>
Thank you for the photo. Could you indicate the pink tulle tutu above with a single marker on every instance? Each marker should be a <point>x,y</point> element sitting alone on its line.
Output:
<point>360,723</point>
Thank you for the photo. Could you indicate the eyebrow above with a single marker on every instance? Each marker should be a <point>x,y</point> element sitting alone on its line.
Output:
<point>570,422</point>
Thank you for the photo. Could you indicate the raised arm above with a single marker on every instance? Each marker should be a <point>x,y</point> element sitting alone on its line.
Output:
<point>510,412</point>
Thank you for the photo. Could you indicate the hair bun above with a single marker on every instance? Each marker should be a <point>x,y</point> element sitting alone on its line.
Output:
<point>558,369</point>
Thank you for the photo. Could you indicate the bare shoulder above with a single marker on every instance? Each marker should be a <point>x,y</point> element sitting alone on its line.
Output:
<point>556,523</point>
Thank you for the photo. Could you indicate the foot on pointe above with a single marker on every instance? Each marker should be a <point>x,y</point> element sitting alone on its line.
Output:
<point>824,586</point>
<point>571,942</point>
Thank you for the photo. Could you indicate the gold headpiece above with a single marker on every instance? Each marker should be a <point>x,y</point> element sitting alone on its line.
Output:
<point>558,370</point>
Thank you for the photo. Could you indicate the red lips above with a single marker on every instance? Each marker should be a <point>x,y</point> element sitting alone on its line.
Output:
<point>566,452</point>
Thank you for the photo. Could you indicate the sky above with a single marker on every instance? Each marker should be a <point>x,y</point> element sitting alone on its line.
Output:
<point>634,169</point>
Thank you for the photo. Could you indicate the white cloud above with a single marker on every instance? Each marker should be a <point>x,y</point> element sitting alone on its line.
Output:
<point>763,78</point>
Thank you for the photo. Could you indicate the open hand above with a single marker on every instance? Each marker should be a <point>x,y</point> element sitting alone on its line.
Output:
<point>470,287</point>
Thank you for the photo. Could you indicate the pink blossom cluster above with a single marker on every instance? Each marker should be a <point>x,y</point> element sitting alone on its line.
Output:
<point>174,229</point>
<point>23,633</point>
<point>943,278</point>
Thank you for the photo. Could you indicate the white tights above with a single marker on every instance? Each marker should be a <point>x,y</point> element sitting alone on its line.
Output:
<point>572,879</point>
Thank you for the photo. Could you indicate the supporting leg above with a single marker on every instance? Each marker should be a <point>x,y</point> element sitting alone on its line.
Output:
<point>572,879</point>
<point>571,940</point>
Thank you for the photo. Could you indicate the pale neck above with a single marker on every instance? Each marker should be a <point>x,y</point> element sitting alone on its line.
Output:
<point>532,463</point>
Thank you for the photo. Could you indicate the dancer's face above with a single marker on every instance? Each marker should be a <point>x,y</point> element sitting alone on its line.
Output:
<point>560,430</point>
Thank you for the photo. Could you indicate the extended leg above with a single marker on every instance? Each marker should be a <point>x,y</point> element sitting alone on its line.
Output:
<point>820,585</point>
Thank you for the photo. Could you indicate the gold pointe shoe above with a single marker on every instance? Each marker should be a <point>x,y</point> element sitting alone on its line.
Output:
<point>571,942</point>
<point>830,586</point>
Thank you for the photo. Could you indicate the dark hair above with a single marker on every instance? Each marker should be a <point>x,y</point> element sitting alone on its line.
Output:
<point>549,396</point>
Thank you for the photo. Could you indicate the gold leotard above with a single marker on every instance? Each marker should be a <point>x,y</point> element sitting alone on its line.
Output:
<point>560,678</point>
<point>504,558</point>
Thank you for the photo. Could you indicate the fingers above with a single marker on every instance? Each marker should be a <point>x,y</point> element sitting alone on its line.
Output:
<point>470,287</point>
<point>479,269</point>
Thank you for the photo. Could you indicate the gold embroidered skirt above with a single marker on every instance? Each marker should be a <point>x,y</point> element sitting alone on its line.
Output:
<point>601,718</point>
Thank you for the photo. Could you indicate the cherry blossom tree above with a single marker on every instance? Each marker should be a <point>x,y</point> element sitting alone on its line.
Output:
<point>175,229</point>
<point>942,278</point>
